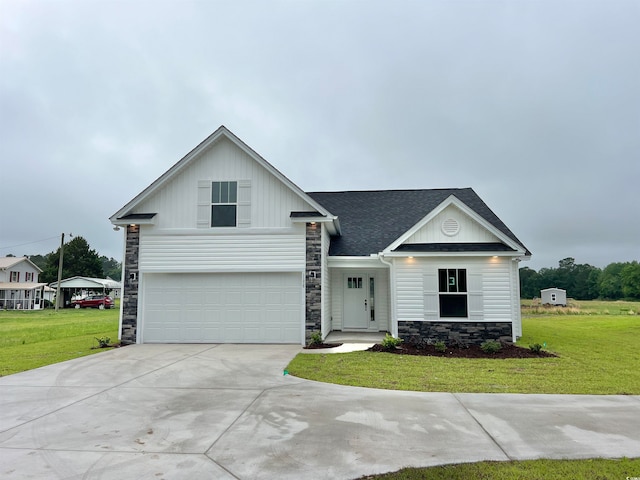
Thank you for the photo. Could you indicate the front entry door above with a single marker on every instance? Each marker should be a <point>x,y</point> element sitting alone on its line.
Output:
<point>359,298</point>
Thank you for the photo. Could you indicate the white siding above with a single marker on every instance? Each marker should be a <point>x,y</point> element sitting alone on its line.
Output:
<point>489,280</point>
<point>179,202</point>
<point>496,288</point>
<point>22,268</point>
<point>410,289</point>
<point>382,300</point>
<point>516,313</point>
<point>470,230</point>
<point>326,283</point>
<point>337,297</point>
<point>219,253</point>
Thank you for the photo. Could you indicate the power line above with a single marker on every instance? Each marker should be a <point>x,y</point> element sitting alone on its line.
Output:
<point>28,243</point>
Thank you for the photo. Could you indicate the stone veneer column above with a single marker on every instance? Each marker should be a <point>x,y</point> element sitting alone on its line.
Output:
<point>129,298</point>
<point>313,280</point>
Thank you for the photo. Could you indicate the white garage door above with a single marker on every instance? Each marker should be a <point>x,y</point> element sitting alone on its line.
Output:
<point>222,308</point>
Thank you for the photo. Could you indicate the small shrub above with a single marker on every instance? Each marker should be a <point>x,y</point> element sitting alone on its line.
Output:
<point>389,342</point>
<point>103,342</point>
<point>440,346</point>
<point>535,348</point>
<point>316,338</point>
<point>490,346</point>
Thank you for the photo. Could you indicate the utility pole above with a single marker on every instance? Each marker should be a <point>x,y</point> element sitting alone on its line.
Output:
<point>59,273</point>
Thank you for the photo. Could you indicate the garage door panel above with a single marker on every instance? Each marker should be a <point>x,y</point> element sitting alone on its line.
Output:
<point>222,308</point>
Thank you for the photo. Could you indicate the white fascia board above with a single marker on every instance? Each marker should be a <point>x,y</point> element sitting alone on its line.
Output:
<point>355,262</point>
<point>123,222</point>
<point>453,200</point>
<point>222,131</point>
<point>452,254</point>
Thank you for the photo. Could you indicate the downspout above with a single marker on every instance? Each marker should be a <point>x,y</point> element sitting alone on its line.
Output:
<point>392,294</point>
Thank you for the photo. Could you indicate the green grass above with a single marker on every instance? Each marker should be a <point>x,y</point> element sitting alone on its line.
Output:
<point>582,307</point>
<point>32,339</point>
<point>597,354</point>
<point>593,469</point>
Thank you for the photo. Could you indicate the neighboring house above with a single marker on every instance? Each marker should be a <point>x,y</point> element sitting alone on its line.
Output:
<point>80,287</point>
<point>225,248</point>
<point>553,296</point>
<point>19,287</point>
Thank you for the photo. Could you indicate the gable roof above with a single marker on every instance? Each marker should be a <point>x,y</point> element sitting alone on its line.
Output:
<point>124,215</point>
<point>8,262</point>
<point>372,220</point>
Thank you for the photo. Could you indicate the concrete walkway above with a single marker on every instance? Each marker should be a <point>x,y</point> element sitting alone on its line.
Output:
<point>228,412</point>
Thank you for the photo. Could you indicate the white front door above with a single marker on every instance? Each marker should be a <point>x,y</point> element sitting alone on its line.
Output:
<point>359,298</point>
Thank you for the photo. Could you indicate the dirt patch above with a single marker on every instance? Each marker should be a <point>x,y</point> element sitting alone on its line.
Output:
<point>471,351</point>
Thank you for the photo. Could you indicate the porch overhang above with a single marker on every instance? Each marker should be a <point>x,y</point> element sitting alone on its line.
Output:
<point>332,222</point>
<point>356,262</point>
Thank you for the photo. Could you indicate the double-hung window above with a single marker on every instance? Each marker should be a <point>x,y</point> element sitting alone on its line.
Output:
<point>14,277</point>
<point>452,284</point>
<point>224,204</point>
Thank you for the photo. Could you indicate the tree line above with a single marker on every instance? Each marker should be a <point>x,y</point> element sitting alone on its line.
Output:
<point>620,280</point>
<point>78,260</point>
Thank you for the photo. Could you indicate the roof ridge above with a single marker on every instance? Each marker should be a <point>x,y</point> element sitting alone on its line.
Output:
<point>395,190</point>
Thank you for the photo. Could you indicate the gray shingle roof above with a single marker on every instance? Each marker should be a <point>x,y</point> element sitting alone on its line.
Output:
<point>372,220</point>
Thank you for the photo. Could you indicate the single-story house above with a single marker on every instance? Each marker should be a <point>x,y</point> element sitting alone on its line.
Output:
<point>80,286</point>
<point>225,248</point>
<point>19,287</point>
<point>553,296</point>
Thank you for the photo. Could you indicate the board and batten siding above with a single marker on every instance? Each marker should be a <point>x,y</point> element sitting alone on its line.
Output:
<point>263,200</point>
<point>470,230</point>
<point>489,283</point>
<point>223,253</point>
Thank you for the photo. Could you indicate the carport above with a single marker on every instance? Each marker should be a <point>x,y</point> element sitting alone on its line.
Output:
<point>78,285</point>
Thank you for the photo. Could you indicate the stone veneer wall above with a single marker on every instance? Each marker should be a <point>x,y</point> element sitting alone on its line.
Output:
<point>130,287</point>
<point>467,333</point>
<point>313,281</point>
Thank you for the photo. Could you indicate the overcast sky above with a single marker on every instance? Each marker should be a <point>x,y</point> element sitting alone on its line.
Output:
<point>534,104</point>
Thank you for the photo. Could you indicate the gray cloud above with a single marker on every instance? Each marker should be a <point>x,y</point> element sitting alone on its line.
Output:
<point>533,104</point>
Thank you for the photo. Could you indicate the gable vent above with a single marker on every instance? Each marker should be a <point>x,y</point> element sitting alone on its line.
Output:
<point>450,227</point>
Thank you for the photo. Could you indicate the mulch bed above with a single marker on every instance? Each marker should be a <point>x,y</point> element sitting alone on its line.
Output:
<point>314,346</point>
<point>471,351</point>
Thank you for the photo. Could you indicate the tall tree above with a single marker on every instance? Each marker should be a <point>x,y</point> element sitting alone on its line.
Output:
<point>111,268</point>
<point>611,281</point>
<point>630,280</point>
<point>78,260</point>
<point>529,283</point>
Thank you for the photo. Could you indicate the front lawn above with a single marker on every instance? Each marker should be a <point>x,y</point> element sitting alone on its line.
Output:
<point>597,354</point>
<point>598,468</point>
<point>32,339</point>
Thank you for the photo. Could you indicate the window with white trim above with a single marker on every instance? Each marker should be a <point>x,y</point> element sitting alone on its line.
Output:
<point>224,204</point>
<point>28,277</point>
<point>452,287</point>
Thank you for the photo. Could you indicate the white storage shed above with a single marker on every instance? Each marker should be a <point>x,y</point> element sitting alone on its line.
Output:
<point>553,296</point>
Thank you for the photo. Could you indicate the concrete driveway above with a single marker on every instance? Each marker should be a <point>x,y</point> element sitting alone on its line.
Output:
<point>228,412</point>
